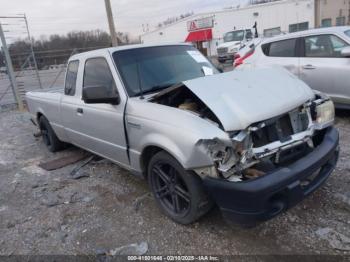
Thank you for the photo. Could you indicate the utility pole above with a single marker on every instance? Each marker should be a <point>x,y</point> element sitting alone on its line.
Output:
<point>349,13</point>
<point>32,50</point>
<point>111,23</point>
<point>10,71</point>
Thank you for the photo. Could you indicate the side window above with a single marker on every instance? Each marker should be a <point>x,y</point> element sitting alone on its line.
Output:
<point>324,46</point>
<point>97,73</point>
<point>338,45</point>
<point>284,48</point>
<point>248,34</point>
<point>71,78</point>
<point>265,48</point>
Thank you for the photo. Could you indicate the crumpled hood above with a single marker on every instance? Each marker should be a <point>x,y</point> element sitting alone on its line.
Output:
<point>241,98</point>
<point>229,44</point>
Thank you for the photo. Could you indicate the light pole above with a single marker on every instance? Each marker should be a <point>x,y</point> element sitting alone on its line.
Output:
<point>111,23</point>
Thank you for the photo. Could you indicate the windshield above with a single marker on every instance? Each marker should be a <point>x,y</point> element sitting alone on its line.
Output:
<point>347,33</point>
<point>150,69</point>
<point>234,36</point>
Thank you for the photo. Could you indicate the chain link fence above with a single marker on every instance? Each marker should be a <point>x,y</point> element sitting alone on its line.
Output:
<point>39,64</point>
<point>50,72</point>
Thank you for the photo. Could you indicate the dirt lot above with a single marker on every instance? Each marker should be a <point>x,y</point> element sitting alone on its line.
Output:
<point>45,212</point>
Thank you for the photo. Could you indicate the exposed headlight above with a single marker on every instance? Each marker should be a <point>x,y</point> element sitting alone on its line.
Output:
<point>325,114</point>
<point>223,154</point>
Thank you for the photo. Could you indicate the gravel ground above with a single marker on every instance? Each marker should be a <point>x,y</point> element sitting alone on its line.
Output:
<point>45,212</point>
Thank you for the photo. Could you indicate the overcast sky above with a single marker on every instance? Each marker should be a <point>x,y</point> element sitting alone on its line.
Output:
<point>60,16</point>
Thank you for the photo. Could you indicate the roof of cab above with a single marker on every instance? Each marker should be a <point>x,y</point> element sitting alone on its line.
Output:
<point>324,30</point>
<point>99,52</point>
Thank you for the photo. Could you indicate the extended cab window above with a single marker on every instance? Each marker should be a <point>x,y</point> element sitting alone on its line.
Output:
<point>347,33</point>
<point>97,73</point>
<point>71,78</point>
<point>284,48</point>
<point>324,46</point>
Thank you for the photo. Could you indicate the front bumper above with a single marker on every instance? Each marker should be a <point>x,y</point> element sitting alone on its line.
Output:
<point>250,202</point>
<point>226,57</point>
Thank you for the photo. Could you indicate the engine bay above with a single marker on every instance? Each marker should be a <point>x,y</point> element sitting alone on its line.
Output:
<point>183,98</point>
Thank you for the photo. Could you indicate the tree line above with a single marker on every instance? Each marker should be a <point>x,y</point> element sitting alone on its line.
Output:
<point>56,49</point>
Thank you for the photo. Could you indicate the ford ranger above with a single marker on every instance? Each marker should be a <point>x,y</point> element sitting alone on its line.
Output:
<point>255,142</point>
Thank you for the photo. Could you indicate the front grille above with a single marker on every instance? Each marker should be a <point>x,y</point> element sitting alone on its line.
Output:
<point>222,51</point>
<point>277,129</point>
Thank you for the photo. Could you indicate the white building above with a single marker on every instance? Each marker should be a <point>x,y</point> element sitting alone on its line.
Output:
<point>206,30</point>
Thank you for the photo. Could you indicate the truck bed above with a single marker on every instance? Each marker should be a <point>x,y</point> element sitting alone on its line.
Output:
<point>46,102</point>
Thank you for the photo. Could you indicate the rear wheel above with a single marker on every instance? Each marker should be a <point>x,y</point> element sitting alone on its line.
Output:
<point>49,137</point>
<point>179,193</point>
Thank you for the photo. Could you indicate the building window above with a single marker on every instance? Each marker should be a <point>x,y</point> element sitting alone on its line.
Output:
<point>298,27</point>
<point>272,31</point>
<point>327,22</point>
<point>340,21</point>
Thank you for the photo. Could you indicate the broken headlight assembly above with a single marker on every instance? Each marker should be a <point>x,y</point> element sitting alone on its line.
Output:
<point>230,159</point>
<point>323,113</point>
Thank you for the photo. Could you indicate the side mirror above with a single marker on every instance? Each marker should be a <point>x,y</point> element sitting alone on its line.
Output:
<point>345,52</point>
<point>100,95</point>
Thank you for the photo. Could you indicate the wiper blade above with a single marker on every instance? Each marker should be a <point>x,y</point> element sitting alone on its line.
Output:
<point>157,88</point>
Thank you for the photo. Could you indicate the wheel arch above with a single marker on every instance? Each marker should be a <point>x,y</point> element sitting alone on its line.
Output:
<point>148,152</point>
<point>39,115</point>
<point>183,149</point>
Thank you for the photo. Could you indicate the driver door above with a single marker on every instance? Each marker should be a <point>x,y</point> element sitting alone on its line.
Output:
<point>99,128</point>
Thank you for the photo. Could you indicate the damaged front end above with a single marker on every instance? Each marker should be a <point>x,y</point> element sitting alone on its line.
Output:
<point>258,154</point>
<point>269,145</point>
<point>263,146</point>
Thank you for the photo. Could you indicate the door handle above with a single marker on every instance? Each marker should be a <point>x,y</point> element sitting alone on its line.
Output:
<point>309,67</point>
<point>80,111</point>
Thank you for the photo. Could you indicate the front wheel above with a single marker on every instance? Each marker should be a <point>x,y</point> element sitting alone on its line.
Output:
<point>179,193</point>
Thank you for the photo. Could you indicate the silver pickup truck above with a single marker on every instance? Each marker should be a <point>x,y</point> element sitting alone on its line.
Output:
<point>254,142</point>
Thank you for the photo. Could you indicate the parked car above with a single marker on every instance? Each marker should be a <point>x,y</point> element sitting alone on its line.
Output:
<point>255,142</point>
<point>320,57</point>
<point>232,43</point>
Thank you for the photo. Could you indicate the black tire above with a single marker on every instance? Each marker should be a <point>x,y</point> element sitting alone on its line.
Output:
<point>49,137</point>
<point>179,193</point>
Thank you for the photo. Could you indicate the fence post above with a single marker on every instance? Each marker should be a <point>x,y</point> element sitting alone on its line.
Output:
<point>33,54</point>
<point>10,71</point>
